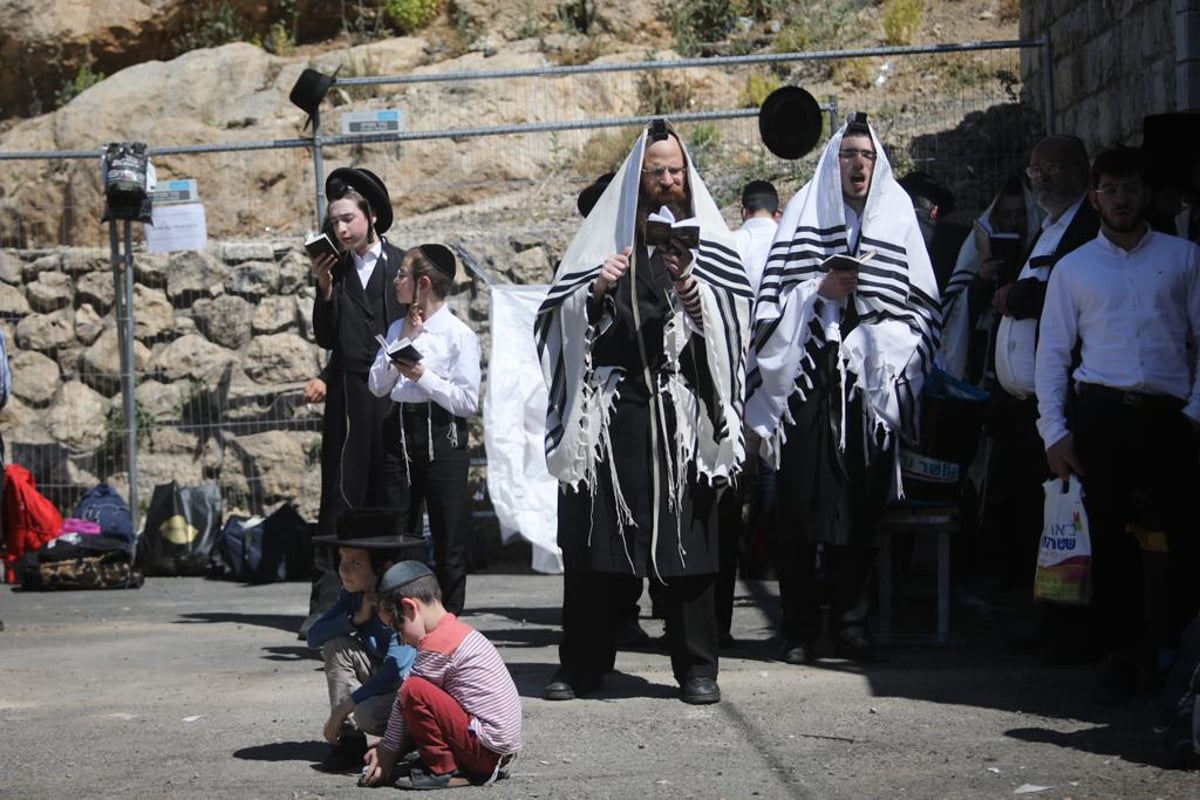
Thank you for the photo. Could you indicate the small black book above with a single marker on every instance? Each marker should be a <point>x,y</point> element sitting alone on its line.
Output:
<point>660,232</point>
<point>844,262</point>
<point>1006,247</point>
<point>400,350</point>
<point>318,244</point>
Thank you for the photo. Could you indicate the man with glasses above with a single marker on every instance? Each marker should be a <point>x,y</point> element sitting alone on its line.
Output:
<point>642,339</point>
<point>840,354</point>
<point>1131,298</point>
<point>1058,177</point>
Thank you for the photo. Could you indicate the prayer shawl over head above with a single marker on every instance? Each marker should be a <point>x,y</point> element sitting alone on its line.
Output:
<point>887,355</point>
<point>956,323</point>
<point>709,428</point>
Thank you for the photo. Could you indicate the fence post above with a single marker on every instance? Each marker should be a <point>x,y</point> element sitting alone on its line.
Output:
<point>122,264</point>
<point>318,168</point>
<point>1048,82</point>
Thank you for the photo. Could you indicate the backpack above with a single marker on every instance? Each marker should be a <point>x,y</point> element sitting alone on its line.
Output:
<point>258,550</point>
<point>94,565</point>
<point>29,518</point>
<point>182,523</point>
<point>109,510</point>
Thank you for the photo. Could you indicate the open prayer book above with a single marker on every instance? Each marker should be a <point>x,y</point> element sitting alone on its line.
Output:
<point>400,350</point>
<point>661,227</point>
<point>843,261</point>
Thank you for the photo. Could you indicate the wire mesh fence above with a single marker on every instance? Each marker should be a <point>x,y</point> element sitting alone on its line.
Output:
<point>489,162</point>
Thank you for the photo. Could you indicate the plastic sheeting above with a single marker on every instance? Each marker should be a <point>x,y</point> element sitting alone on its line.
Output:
<point>524,494</point>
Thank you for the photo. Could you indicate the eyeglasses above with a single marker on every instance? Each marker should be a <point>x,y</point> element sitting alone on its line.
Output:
<point>1049,168</point>
<point>659,172</point>
<point>850,153</point>
<point>1131,189</point>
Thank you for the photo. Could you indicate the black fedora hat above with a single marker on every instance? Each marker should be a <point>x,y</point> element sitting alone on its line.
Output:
<point>1170,146</point>
<point>367,184</point>
<point>789,122</point>
<point>370,529</point>
<point>310,89</point>
<point>590,194</point>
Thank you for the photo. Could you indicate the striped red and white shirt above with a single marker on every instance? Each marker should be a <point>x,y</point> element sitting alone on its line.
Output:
<point>462,662</point>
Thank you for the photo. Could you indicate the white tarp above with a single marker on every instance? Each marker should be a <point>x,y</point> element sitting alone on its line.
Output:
<point>523,493</point>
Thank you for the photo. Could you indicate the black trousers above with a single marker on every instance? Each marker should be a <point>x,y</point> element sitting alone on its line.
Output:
<point>589,620</point>
<point>1138,462</point>
<point>729,522</point>
<point>439,480</point>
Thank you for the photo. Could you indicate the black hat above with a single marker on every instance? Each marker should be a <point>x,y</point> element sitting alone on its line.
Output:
<point>367,184</point>
<point>588,197</point>
<point>789,122</point>
<point>310,90</point>
<point>441,257</point>
<point>1170,145</point>
<point>922,184</point>
<point>368,528</point>
<point>402,574</point>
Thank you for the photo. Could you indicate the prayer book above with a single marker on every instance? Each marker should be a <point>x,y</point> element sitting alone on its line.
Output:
<point>661,228</point>
<point>844,261</point>
<point>320,243</point>
<point>1006,247</point>
<point>400,350</point>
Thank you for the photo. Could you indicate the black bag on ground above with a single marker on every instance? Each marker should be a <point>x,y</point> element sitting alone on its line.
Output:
<point>258,550</point>
<point>99,562</point>
<point>181,528</point>
<point>951,422</point>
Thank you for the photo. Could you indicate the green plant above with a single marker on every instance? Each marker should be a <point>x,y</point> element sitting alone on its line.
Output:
<point>702,142</point>
<point>352,67</point>
<point>605,151</point>
<point>84,79</point>
<point>854,72</point>
<point>700,22</point>
<point>211,26</point>
<point>758,86</point>
<point>659,94</point>
<point>279,40</point>
<point>411,15</point>
<point>901,19</point>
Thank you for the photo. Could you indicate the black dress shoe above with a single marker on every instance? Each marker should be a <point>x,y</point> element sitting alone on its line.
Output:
<point>567,686</point>
<point>700,691</point>
<point>853,644</point>
<point>797,653</point>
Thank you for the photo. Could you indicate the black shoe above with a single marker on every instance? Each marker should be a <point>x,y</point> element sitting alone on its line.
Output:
<point>566,686</point>
<point>853,644</point>
<point>797,653</point>
<point>346,755</point>
<point>631,634</point>
<point>700,691</point>
<point>1118,683</point>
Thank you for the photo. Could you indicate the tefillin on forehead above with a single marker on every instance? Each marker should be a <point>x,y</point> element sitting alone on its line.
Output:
<point>658,131</point>
<point>858,124</point>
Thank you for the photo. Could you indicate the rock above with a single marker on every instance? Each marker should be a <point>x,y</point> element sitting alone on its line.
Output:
<point>272,463</point>
<point>31,269</point>
<point>100,364</point>
<point>151,269</point>
<point>10,268</point>
<point>224,320</point>
<point>77,418</point>
<point>294,273</point>
<point>13,304</point>
<point>255,279</point>
<point>153,315</point>
<point>192,274</point>
<point>78,261</point>
<point>35,378</point>
<point>191,357</point>
<point>96,288</point>
<point>274,315</point>
<point>281,358</point>
<point>237,252</point>
<point>46,332</point>
<point>163,402</point>
<point>88,324</point>
<point>49,292</point>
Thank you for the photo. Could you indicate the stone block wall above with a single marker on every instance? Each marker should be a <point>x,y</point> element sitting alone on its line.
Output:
<point>1113,62</point>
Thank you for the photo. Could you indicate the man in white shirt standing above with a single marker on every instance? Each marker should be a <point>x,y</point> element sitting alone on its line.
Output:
<point>1131,299</point>
<point>760,218</point>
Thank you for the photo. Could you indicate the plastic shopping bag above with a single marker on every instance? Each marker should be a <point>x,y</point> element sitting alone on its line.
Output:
<point>1064,564</point>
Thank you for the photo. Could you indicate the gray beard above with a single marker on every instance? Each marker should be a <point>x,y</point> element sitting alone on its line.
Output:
<point>1054,203</point>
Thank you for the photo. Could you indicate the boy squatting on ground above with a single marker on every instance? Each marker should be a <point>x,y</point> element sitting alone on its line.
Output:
<point>459,708</point>
<point>365,661</point>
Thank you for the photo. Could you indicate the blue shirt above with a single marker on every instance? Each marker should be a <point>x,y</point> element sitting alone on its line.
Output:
<point>377,638</point>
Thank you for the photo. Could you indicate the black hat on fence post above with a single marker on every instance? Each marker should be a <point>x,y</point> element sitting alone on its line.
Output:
<point>789,122</point>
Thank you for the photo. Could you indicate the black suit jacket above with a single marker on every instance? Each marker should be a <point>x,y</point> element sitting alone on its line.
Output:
<point>1026,297</point>
<point>346,323</point>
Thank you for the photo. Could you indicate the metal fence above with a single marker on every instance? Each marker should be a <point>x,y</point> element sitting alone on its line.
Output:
<point>488,161</point>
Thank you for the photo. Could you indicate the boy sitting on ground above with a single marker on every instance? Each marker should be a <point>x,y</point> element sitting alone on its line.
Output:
<point>459,708</point>
<point>365,662</point>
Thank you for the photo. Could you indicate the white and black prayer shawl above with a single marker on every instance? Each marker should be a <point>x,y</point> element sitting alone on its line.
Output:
<point>581,396</point>
<point>889,352</point>
<point>956,322</point>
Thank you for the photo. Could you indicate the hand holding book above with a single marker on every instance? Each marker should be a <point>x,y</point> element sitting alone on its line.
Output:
<point>401,350</point>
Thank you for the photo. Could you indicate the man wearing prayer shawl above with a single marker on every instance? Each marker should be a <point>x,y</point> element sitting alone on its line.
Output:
<point>643,348</point>
<point>837,364</point>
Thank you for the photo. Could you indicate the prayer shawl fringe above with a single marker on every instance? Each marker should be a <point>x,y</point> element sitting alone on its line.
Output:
<point>886,357</point>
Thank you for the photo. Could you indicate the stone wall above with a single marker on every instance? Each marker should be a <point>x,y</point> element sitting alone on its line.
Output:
<point>1113,62</point>
<point>223,348</point>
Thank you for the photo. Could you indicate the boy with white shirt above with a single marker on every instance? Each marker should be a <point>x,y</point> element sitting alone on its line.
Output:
<point>433,397</point>
<point>1131,299</point>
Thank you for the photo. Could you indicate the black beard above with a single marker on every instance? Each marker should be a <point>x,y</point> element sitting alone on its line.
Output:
<point>1135,223</point>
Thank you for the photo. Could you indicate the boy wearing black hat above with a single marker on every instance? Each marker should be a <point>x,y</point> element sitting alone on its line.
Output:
<point>459,708</point>
<point>355,302</point>
<point>433,391</point>
<point>364,661</point>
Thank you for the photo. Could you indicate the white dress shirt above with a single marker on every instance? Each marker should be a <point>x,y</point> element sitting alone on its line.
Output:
<point>450,355</point>
<point>754,243</point>
<point>364,265</point>
<point>1016,339</point>
<point>1134,311</point>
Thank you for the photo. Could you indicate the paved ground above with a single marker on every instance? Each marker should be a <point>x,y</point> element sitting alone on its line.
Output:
<point>189,688</point>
